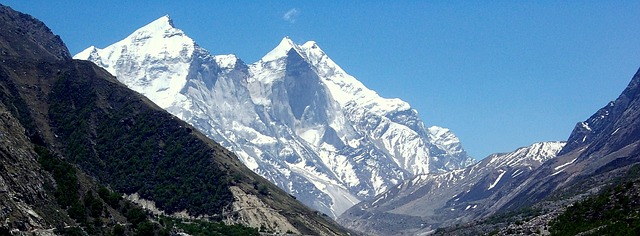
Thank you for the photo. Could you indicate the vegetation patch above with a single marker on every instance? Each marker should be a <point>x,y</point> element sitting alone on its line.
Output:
<point>93,217</point>
<point>137,149</point>
<point>205,228</point>
<point>612,212</point>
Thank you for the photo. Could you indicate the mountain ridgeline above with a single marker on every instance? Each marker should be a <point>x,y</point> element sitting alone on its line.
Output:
<point>72,135</point>
<point>428,202</point>
<point>524,196</point>
<point>294,117</point>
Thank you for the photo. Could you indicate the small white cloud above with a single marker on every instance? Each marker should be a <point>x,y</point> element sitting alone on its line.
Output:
<point>291,15</point>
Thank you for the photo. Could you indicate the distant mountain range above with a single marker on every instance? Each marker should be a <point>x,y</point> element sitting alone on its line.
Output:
<point>294,117</point>
<point>430,201</point>
<point>599,152</point>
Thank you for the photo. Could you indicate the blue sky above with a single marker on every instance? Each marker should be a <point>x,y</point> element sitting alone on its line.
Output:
<point>499,74</point>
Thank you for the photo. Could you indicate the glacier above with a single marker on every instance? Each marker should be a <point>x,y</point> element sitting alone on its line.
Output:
<point>294,117</point>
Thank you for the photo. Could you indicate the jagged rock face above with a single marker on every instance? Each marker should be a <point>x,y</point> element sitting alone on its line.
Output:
<point>430,201</point>
<point>294,117</point>
<point>615,124</point>
<point>18,28</point>
<point>22,195</point>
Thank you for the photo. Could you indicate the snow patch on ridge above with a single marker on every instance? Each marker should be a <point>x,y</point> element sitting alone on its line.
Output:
<point>497,180</point>
<point>226,61</point>
<point>565,164</point>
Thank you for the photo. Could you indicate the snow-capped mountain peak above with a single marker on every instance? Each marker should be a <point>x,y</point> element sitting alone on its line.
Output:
<point>161,54</point>
<point>280,51</point>
<point>294,117</point>
<point>161,34</point>
<point>163,24</point>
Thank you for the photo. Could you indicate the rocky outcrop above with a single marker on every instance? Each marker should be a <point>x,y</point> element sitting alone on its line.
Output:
<point>24,202</point>
<point>25,36</point>
<point>249,210</point>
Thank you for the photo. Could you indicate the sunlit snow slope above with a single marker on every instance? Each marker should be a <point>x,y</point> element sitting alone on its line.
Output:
<point>294,117</point>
